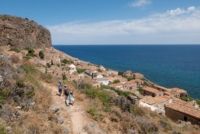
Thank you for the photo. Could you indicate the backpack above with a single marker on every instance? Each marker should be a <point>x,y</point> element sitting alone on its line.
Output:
<point>66,91</point>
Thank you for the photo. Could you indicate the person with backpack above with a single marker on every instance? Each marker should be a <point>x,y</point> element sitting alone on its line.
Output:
<point>71,98</point>
<point>66,94</point>
<point>60,88</point>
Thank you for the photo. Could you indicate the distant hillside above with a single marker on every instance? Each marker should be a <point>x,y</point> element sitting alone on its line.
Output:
<point>20,33</point>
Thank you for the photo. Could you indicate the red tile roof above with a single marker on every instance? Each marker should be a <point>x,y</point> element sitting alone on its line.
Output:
<point>153,90</point>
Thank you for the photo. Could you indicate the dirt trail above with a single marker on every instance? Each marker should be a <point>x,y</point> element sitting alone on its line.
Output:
<point>74,116</point>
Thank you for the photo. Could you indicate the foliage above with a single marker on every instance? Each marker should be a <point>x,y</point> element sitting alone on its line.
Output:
<point>130,78</point>
<point>20,83</point>
<point>198,102</point>
<point>116,81</point>
<point>152,115</point>
<point>140,90</point>
<point>86,77</point>
<point>26,18</point>
<point>15,49</point>
<point>79,71</point>
<point>31,55</point>
<point>186,98</point>
<point>136,110</point>
<point>30,50</point>
<point>99,70</point>
<point>119,92</point>
<point>31,93</point>
<point>48,65</point>
<point>64,76</point>
<point>91,110</point>
<point>51,62</point>
<point>74,82</point>
<point>2,97</point>
<point>27,57</point>
<point>58,65</point>
<point>65,61</point>
<point>166,125</point>
<point>96,93</point>
<point>41,54</point>
<point>2,130</point>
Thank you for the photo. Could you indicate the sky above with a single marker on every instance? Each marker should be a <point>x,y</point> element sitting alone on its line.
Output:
<point>96,22</point>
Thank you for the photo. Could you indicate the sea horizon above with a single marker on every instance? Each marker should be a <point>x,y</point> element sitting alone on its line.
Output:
<point>167,65</point>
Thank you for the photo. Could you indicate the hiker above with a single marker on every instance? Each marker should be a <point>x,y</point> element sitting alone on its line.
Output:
<point>66,94</point>
<point>60,88</point>
<point>71,99</point>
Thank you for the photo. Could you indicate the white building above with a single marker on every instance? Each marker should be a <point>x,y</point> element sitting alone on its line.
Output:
<point>92,70</point>
<point>99,76</point>
<point>104,81</point>
<point>102,68</point>
<point>72,68</point>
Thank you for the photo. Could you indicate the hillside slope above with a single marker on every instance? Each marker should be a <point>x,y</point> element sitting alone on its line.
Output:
<point>20,33</point>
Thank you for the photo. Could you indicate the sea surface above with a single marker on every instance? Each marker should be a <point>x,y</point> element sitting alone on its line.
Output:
<point>167,65</point>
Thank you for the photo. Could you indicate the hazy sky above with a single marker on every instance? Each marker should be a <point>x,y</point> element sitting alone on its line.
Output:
<point>113,21</point>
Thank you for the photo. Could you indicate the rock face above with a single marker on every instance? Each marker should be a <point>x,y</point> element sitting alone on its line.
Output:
<point>21,33</point>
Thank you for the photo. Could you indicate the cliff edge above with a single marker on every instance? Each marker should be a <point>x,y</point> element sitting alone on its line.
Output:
<point>21,33</point>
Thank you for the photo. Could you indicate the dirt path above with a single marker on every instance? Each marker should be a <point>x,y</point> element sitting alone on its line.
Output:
<point>74,116</point>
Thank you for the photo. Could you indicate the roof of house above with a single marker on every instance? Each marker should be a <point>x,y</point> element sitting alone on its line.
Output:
<point>163,88</point>
<point>92,69</point>
<point>179,101</point>
<point>178,90</point>
<point>128,71</point>
<point>153,90</point>
<point>184,109</point>
<point>116,84</point>
<point>138,74</point>
<point>152,100</point>
<point>102,79</point>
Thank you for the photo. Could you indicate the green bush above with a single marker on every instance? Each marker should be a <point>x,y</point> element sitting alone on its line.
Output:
<point>140,90</point>
<point>64,76</point>
<point>15,49</point>
<point>91,110</point>
<point>41,54</point>
<point>65,61</point>
<point>31,55</point>
<point>20,83</point>
<point>31,93</point>
<point>119,92</point>
<point>130,78</point>
<point>99,70</point>
<point>48,65</point>
<point>2,130</point>
<point>27,57</point>
<point>96,93</point>
<point>58,65</point>
<point>79,71</point>
<point>30,50</point>
<point>116,81</point>
<point>198,102</point>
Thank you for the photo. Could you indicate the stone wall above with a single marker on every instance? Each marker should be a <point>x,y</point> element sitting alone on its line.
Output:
<point>175,115</point>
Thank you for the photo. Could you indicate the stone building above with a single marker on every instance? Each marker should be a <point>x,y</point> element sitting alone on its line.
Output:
<point>177,111</point>
<point>138,76</point>
<point>151,92</point>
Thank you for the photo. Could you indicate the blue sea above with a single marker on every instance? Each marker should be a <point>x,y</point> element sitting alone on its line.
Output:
<point>167,65</point>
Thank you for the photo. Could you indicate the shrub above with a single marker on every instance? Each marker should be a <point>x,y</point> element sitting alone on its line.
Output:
<point>31,55</point>
<point>14,58</point>
<point>198,102</point>
<point>116,81</point>
<point>119,92</point>
<point>26,18</point>
<point>58,65</point>
<point>140,90</point>
<point>27,57</point>
<point>129,78</point>
<point>165,125</point>
<point>48,65</point>
<point>41,54</point>
<point>51,62</point>
<point>64,76</point>
<point>15,49</point>
<point>79,71</point>
<point>103,96</point>
<point>2,130</point>
<point>91,110</point>
<point>136,110</point>
<point>99,70</point>
<point>20,83</point>
<point>30,50</point>
<point>31,93</point>
<point>65,61</point>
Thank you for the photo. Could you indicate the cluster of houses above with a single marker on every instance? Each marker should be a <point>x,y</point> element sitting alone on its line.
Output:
<point>165,101</point>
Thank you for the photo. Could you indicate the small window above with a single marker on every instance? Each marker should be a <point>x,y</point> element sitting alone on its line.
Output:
<point>185,118</point>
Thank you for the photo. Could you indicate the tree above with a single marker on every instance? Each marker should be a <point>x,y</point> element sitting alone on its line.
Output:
<point>41,54</point>
<point>64,76</point>
<point>51,62</point>
<point>116,81</point>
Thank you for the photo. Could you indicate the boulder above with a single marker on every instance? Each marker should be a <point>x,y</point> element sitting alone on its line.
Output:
<point>66,130</point>
<point>17,113</point>
<point>54,109</point>
<point>61,120</point>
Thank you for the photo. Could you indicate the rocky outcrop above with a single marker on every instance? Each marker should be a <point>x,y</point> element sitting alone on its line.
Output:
<point>21,33</point>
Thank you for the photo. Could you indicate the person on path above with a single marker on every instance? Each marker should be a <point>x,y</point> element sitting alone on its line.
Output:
<point>71,98</point>
<point>66,94</point>
<point>60,88</point>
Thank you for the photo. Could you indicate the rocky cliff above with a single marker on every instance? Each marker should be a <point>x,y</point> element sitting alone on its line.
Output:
<point>21,33</point>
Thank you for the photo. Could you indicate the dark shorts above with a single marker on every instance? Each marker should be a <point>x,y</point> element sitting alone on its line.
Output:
<point>60,91</point>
